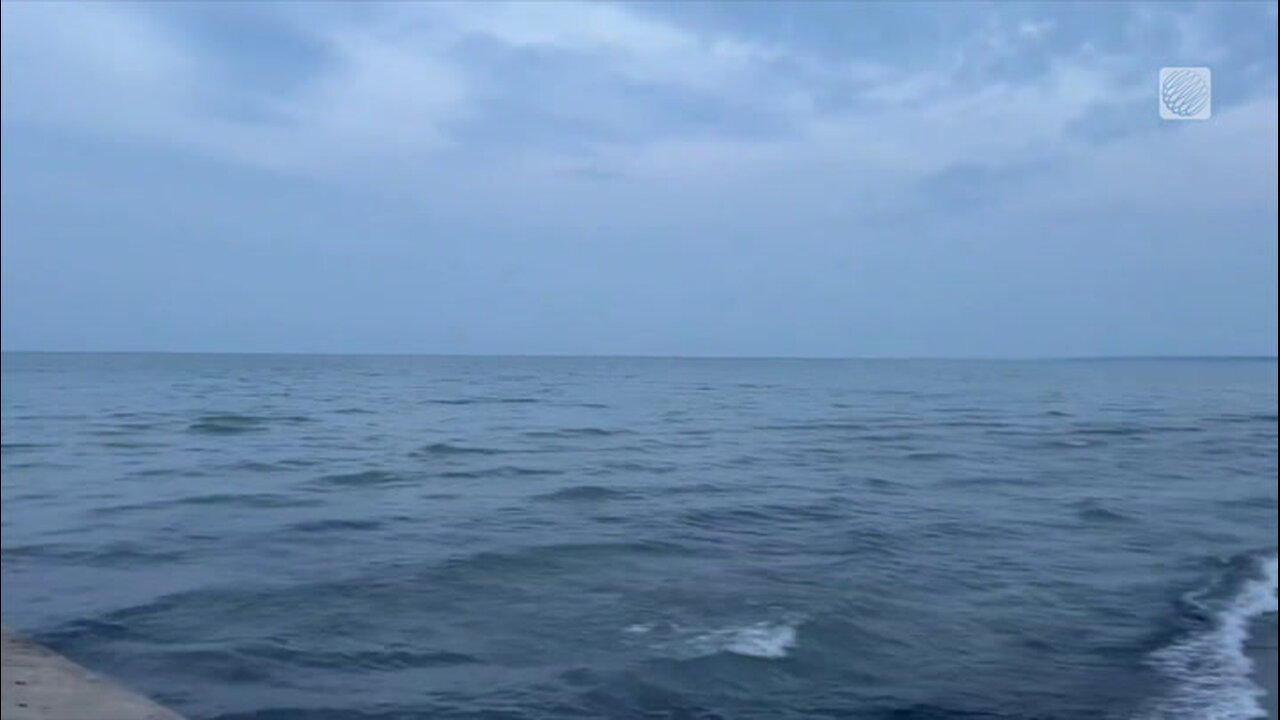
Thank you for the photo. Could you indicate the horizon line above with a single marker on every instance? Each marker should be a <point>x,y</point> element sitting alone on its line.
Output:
<point>1008,358</point>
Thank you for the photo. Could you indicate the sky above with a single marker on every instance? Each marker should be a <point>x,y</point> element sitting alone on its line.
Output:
<point>688,179</point>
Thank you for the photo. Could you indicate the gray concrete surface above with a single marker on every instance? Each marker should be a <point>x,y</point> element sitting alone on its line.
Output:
<point>40,684</point>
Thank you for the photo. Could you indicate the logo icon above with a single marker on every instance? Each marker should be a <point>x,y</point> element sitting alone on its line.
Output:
<point>1186,93</point>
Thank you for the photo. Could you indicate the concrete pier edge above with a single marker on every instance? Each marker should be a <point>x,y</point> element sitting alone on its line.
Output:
<point>40,684</point>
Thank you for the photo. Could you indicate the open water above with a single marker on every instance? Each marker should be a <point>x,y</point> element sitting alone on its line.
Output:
<point>336,537</point>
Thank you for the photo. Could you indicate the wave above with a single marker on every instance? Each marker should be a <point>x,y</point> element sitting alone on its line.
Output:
<point>575,432</point>
<point>928,456</point>
<point>1093,510</point>
<point>541,559</point>
<point>484,400</point>
<point>1242,418</point>
<point>755,518</point>
<point>257,466</point>
<point>231,424</point>
<point>363,479</point>
<point>449,449</point>
<point>238,500</point>
<point>1209,669</point>
<point>1124,430</point>
<point>19,447</point>
<point>358,661</point>
<point>120,554</point>
<point>583,493</point>
<point>639,467</point>
<point>1068,444</point>
<point>335,525</point>
<point>502,471</point>
<point>248,500</point>
<point>833,425</point>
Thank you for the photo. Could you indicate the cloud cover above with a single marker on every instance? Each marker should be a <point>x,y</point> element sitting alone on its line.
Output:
<point>789,179</point>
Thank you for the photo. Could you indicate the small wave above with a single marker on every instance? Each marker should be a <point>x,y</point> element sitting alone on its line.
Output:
<point>575,432</point>
<point>251,500</point>
<point>248,500</point>
<point>889,437</point>
<point>1103,515</point>
<point>483,400</point>
<point>1210,670</point>
<point>323,526</point>
<point>1243,418</point>
<point>640,467</point>
<point>544,558</point>
<point>1095,511</point>
<point>1068,444</point>
<point>583,493</point>
<point>982,481</point>
<point>818,426</point>
<point>258,466</point>
<point>362,479</point>
<point>20,447</point>
<point>367,660</point>
<point>970,424</point>
<point>694,489</point>
<point>450,449</point>
<point>163,472</point>
<point>1118,430</point>
<point>1257,501</point>
<point>228,424</point>
<point>929,456</point>
<point>123,429</point>
<point>754,518</point>
<point>502,471</point>
<point>1107,429</point>
<point>111,555</point>
<point>129,445</point>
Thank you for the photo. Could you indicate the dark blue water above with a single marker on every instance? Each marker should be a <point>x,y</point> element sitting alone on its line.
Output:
<point>433,537</point>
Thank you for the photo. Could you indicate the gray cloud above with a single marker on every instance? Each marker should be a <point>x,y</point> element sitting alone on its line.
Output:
<point>538,177</point>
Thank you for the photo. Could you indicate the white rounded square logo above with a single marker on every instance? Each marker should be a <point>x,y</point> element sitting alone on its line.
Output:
<point>1186,93</point>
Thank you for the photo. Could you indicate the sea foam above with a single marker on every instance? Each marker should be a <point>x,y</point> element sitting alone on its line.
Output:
<point>766,640</point>
<point>769,641</point>
<point>1210,670</point>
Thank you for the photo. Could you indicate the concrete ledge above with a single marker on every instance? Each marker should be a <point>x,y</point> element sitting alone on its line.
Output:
<point>40,684</point>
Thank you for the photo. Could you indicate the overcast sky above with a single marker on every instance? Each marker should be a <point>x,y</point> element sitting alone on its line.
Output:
<point>801,179</point>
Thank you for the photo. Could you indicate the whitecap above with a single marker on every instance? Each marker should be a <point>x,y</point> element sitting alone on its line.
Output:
<point>770,641</point>
<point>763,641</point>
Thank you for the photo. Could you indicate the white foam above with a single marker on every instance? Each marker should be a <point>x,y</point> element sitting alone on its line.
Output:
<point>1211,670</point>
<point>760,640</point>
<point>763,641</point>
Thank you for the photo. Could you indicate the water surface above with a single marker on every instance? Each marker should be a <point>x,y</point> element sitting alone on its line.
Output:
<point>404,537</point>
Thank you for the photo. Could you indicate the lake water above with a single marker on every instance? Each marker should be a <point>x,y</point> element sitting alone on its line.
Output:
<point>335,537</point>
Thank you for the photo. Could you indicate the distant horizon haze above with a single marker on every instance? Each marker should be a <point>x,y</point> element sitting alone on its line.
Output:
<point>570,356</point>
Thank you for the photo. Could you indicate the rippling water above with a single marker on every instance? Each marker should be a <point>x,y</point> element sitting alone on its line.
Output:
<point>405,537</point>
